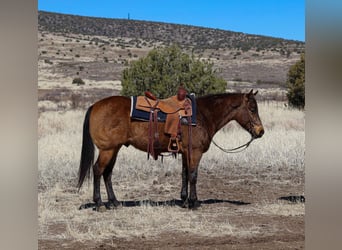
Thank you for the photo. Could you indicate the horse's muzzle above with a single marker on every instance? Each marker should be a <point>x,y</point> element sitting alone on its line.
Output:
<point>258,131</point>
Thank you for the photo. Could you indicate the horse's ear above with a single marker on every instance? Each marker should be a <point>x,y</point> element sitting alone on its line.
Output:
<point>249,94</point>
<point>256,92</point>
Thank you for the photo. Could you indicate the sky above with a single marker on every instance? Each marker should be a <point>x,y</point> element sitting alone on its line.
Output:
<point>276,18</point>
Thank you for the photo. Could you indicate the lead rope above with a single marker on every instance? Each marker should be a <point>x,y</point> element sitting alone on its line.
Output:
<point>233,150</point>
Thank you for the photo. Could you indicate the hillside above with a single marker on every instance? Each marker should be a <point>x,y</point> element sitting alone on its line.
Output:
<point>98,49</point>
<point>185,35</point>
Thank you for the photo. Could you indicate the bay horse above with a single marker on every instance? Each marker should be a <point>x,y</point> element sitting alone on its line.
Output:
<point>108,125</point>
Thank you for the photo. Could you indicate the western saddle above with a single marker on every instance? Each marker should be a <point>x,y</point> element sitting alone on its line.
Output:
<point>177,112</point>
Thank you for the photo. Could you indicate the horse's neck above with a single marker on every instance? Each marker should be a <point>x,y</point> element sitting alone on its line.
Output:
<point>217,110</point>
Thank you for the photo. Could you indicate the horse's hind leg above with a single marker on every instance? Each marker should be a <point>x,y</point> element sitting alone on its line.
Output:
<point>107,177</point>
<point>104,159</point>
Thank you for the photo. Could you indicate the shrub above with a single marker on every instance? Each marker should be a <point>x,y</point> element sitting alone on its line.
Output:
<point>296,84</point>
<point>48,61</point>
<point>78,81</point>
<point>162,71</point>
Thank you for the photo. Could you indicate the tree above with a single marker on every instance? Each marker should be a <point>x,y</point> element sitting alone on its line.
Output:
<point>164,69</point>
<point>296,84</point>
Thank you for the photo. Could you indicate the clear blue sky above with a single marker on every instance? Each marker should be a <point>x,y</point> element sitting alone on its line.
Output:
<point>277,18</point>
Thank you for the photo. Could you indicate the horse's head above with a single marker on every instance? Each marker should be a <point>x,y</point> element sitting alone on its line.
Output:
<point>248,117</point>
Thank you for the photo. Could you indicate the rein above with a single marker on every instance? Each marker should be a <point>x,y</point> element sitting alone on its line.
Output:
<point>233,150</point>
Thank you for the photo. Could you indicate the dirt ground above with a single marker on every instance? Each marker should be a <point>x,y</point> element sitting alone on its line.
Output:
<point>245,199</point>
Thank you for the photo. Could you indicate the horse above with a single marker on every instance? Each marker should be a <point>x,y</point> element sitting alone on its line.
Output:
<point>108,125</point>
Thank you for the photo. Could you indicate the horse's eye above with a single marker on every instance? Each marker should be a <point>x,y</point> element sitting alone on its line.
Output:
<point>253,110</point>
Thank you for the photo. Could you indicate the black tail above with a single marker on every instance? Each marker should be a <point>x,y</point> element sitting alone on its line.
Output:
<point>87,155</point>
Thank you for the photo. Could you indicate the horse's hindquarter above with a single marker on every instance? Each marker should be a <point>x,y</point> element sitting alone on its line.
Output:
<point>109,122</point>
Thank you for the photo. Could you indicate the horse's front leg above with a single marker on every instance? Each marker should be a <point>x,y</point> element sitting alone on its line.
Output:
<point>184,190</point>
<point>193,200</point>
<point>192,176</point>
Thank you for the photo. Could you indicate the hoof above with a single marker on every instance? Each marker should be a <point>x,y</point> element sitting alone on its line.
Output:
<point>185,204</point>
<point>194,204</point>
<point>113,204</point>
<point>101,208</point>
<point>184,197</point>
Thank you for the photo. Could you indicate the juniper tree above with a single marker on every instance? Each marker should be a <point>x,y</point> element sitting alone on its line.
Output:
<point>164,69</point>
<point>296,84</point>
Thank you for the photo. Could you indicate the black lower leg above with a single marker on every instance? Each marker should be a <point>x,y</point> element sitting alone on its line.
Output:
<point>193,201</point>
<point>97,195</point>
<point>112,201</point>
<point>184,190</point>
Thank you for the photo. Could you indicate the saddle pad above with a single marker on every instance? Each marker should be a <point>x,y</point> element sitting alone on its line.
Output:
<point>138,114</point>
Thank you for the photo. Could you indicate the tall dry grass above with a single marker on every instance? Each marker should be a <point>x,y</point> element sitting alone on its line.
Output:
<point>281,151</point>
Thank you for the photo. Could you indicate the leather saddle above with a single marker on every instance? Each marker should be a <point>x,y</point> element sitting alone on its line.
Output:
<point>170,105</point>
<point>175,111</point>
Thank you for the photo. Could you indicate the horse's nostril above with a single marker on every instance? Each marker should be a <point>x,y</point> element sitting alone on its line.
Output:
<point>259,131</point>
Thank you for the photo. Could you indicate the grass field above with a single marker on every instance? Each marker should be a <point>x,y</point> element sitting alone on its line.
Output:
<point>239,192</point>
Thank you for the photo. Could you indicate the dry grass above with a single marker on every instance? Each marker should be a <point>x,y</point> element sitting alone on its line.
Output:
<point>275,159</point>
<point>282,208</point>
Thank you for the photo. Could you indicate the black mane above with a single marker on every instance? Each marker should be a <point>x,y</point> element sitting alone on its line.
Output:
<point>216,96</point>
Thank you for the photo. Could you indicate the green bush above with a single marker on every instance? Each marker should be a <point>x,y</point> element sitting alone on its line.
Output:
<point>164,69</point>
<point>78,81</point>
<point>296,84</point>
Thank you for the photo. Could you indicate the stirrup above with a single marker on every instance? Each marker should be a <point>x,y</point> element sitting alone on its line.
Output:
<point>173,145</point>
